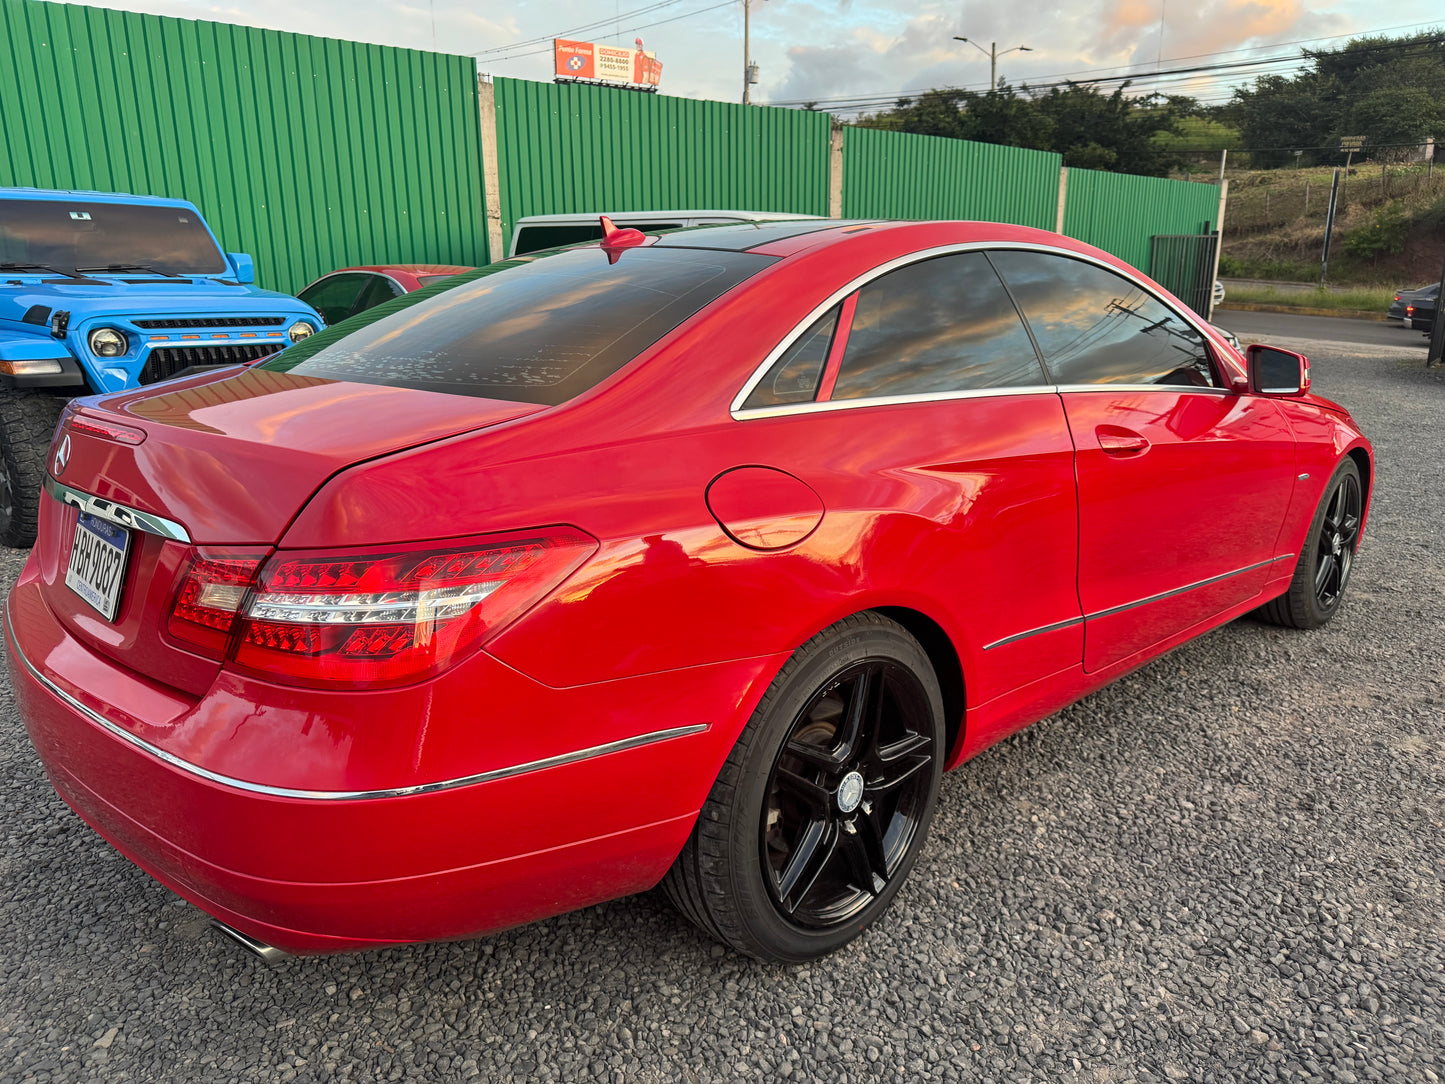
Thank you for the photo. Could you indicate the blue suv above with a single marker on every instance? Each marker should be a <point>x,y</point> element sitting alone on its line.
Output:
<point>101,291</point>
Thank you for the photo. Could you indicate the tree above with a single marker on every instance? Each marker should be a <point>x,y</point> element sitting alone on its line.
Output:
<point>1089,128</point>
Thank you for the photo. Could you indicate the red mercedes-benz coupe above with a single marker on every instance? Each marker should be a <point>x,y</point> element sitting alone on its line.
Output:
<point>693,559</point>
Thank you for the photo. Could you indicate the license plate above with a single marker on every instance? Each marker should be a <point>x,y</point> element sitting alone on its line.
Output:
<point>97,563</point>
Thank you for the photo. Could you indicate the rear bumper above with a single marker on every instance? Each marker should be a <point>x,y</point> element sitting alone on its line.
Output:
<point>329,871</point>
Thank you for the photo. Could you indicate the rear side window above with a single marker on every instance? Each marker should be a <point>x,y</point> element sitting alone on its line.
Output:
<point>537,330</point>
<point>942,325</point>
<point>1094,326</point>
<point>794,377</point>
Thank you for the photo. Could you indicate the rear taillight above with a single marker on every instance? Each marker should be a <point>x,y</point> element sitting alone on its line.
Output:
<point>364,619</point>
<point>212,589</point>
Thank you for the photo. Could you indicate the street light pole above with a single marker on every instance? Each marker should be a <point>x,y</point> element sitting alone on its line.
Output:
<point>993,54</point>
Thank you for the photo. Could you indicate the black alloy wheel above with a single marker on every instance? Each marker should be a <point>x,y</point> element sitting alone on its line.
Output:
<point>824,802</point>
<point>1327,558</point>
<point>845,794</point>
<point>1335,541</point>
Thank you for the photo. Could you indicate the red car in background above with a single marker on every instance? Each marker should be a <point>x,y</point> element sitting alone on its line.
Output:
<point>693,559</point>
<point>352,290</point>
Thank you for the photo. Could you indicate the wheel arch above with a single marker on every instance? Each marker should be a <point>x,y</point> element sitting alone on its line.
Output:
<point>947,668</point>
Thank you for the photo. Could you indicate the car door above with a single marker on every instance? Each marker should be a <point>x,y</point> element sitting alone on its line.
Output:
<point>1183,483</point>
<point>935,421</point>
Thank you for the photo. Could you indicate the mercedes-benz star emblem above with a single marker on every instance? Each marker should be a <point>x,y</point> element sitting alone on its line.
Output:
<point>62,454</point>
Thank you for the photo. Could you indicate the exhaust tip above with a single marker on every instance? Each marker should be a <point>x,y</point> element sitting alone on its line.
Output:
<point>268,954</point>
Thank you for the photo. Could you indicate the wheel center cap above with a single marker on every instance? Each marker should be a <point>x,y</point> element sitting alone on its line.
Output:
<point>850,792</point>
<point>1336,543</point>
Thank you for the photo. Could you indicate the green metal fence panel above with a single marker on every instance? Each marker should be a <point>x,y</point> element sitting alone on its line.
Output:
<point>309,153</point>
<point>899,175</point>
<point>568,148</point>
<point>1119,212</point>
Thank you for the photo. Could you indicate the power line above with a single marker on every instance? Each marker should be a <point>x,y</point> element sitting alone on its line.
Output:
<point>629,30</point>
<point>854,103</point>
<point>584,28</point>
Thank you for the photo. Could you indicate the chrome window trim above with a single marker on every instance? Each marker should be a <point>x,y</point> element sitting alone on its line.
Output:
<point>115,512</point>
<point>1161,596</point>
<point>740,414</point>
<point>186,766</point>
<point>891,400</point>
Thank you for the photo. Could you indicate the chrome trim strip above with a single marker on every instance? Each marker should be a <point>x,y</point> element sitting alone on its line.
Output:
<point>345,795</point>
<point>1131,605</point>
<point>1188,389</point>
<point>890,400</point>
<point>1188,587</point>
<point>736,407</point>
<point>1034,632</point>
<point>115,512</point>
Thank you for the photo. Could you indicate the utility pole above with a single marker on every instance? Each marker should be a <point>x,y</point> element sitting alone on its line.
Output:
<point>993,54</point>
<point>750,70</point>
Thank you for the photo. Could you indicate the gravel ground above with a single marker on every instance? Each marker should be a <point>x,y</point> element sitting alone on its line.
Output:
<point>1225,867</point>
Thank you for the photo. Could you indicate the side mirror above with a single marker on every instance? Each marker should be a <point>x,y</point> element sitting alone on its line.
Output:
<point>242,266</point>
<point>1277,372</point>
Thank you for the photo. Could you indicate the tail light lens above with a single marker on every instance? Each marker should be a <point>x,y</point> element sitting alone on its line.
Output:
<point>390,616</point>
<point>212,590</point>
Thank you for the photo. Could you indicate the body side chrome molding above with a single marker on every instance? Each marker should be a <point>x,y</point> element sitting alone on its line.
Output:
<point>1132,605</point>
<point>739,413</point>
<point>114,512</point>
<point>174,761</point>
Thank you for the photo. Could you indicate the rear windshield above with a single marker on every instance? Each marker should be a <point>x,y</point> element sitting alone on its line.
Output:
<point>82,235</point>
<point>530,330</point>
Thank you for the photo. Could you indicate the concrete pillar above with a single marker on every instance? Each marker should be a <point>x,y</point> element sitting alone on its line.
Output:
<point>491,168</point>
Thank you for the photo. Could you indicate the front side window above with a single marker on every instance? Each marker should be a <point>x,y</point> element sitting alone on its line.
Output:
<point>941,325</point>
<point>1094,326</point>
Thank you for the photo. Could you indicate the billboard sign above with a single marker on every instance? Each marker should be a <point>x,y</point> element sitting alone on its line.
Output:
<point>605,63</point>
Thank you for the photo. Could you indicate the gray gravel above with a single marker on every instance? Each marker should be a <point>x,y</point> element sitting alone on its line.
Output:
<point>1225,867</point>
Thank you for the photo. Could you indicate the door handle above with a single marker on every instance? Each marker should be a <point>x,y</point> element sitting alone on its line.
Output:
<point>1118,441</point>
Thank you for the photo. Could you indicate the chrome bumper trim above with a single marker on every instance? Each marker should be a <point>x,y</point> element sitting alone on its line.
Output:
<point>174,761</point>
<point>116,513</point>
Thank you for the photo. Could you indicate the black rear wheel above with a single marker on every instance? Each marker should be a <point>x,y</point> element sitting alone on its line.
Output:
<point>824,803</point>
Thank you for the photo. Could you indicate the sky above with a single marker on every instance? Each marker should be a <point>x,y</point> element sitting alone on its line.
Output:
<point>817,50</point>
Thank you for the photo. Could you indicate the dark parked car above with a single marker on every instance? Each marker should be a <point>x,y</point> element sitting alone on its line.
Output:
<point>1420,313</point>
<point>1405,297</point>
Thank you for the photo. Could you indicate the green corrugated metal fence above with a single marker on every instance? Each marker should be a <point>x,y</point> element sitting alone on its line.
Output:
<point>1120,213</point>
<point>312,153</point>
<point>566,148</point>
<point>897,175</point>
<point>307,152</point>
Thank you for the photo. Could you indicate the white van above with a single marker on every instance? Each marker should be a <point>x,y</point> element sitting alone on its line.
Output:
<point>548,231</point>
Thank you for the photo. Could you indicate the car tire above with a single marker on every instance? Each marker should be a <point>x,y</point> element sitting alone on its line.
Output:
<point>1323,570</point>
<point>27,424</point>
<point>824,803</point>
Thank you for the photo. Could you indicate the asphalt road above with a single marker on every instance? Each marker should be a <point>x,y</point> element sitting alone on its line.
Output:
<point>1225,867</point>
<point>1259,326</point>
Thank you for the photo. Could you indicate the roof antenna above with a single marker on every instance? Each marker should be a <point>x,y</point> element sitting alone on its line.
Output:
<point>615,239</point>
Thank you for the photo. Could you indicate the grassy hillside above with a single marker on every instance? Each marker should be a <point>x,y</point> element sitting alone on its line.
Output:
<point>1274,225</point>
